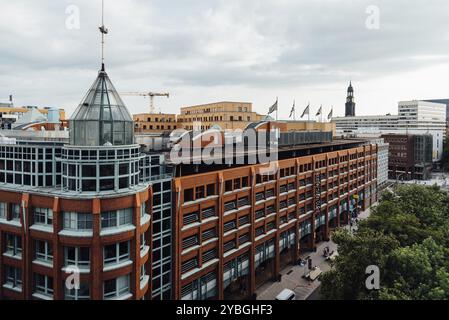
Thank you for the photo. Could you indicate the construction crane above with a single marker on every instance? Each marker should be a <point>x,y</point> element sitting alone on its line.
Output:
<point>147,94</point>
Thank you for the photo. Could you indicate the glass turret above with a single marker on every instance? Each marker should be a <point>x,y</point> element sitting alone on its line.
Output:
<point>102,118</point>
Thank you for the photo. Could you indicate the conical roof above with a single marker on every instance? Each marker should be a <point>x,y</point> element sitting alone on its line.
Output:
<point>102,117</point>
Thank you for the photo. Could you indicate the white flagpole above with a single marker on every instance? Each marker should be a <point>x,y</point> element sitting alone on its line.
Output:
<point>308,113</point>
<point>277,108</point>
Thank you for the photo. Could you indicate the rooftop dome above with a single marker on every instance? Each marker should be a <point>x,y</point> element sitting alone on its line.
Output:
<point>101,118</point>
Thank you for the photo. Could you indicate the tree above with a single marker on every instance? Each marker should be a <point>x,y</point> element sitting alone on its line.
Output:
<point>406,236</point>
<point>356,252</point>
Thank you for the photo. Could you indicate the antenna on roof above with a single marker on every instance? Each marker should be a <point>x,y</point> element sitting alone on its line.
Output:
<point>103,31</point>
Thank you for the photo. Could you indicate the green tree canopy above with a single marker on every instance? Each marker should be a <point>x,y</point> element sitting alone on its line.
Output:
<point>406,236</point>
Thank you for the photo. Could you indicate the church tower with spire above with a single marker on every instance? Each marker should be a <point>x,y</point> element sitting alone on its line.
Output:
<point>350,104</point>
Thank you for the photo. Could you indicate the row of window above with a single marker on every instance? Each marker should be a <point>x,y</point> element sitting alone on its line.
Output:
<point>43,285</point>
<point>73,256</point>
<point>74,220</point>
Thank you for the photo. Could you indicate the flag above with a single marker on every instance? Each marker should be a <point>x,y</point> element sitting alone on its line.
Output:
<point>306,111</point>
<point>329,116</point>
<point>319,111</point>
<point>293,110</point>
<point>273,108</point>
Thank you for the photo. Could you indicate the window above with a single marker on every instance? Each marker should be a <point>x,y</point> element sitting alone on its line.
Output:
<point>121,217</point>
<point>199,192</point>
<point>15,211</point>
<point>77,221</point>
<point>243,201</point>
<point>143,272</point>
<point>83,293</point>
<point>190,218</point>
<point>43,216</point>
<point>243,238</point>
<point>209,234</point>
<point>229,245</point>
<point>243,220</point>
<point>2,210</point>
<point>228,185</point>
<point>116,253</point>
<point>208,212</point>
<point>210,189</point>
<point>116,288</point>
<point>189,242</point>
<point>189,265</point>
<point>13,245</point>
<point>77,256</point>
<point>44,251</point>
<point>209,255</point>
<point>143,209</point>
<point>143,241</point>
<point>230,205</point>
<point>43,284</point>
<point>229,226</point>
<point>13,277</point>
<point>188,195</point>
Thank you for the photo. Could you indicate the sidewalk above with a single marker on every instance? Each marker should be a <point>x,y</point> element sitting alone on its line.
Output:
<point>292,275</point>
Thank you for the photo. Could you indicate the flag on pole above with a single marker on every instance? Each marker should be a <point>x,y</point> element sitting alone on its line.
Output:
<point>273,108</point>
<point>293,109</point>
<point>306,111</point>
<point>319,111</point>
<point>329,116</point>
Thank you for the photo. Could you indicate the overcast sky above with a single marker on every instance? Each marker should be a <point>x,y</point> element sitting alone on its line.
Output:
<point>240,50</point>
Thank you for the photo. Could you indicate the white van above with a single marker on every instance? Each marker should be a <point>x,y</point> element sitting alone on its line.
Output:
<point>286,294</point>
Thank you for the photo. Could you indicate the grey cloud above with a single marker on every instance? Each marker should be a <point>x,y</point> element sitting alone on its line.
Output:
<point>257,44</point>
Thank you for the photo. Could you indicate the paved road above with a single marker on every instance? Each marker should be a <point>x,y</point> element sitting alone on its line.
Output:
<point>292,275</point>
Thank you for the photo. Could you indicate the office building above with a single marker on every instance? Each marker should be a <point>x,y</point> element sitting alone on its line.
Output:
<point>410,156</point>
<point>227,115</point>
<point>237,226</point>
<point>156,123</point>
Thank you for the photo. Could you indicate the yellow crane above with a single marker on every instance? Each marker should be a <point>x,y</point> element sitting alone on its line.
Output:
<point>147,94</point>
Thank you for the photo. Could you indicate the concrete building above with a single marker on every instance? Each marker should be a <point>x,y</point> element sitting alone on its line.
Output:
<point>446,102</point>
<point>414,117</point>
<point>227,115</point>
<point>410,156</point>
<point>157,123</point>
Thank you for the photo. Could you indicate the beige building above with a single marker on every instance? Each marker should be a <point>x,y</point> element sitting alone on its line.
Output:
<point>154,122</point>
<point>228,115</point>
